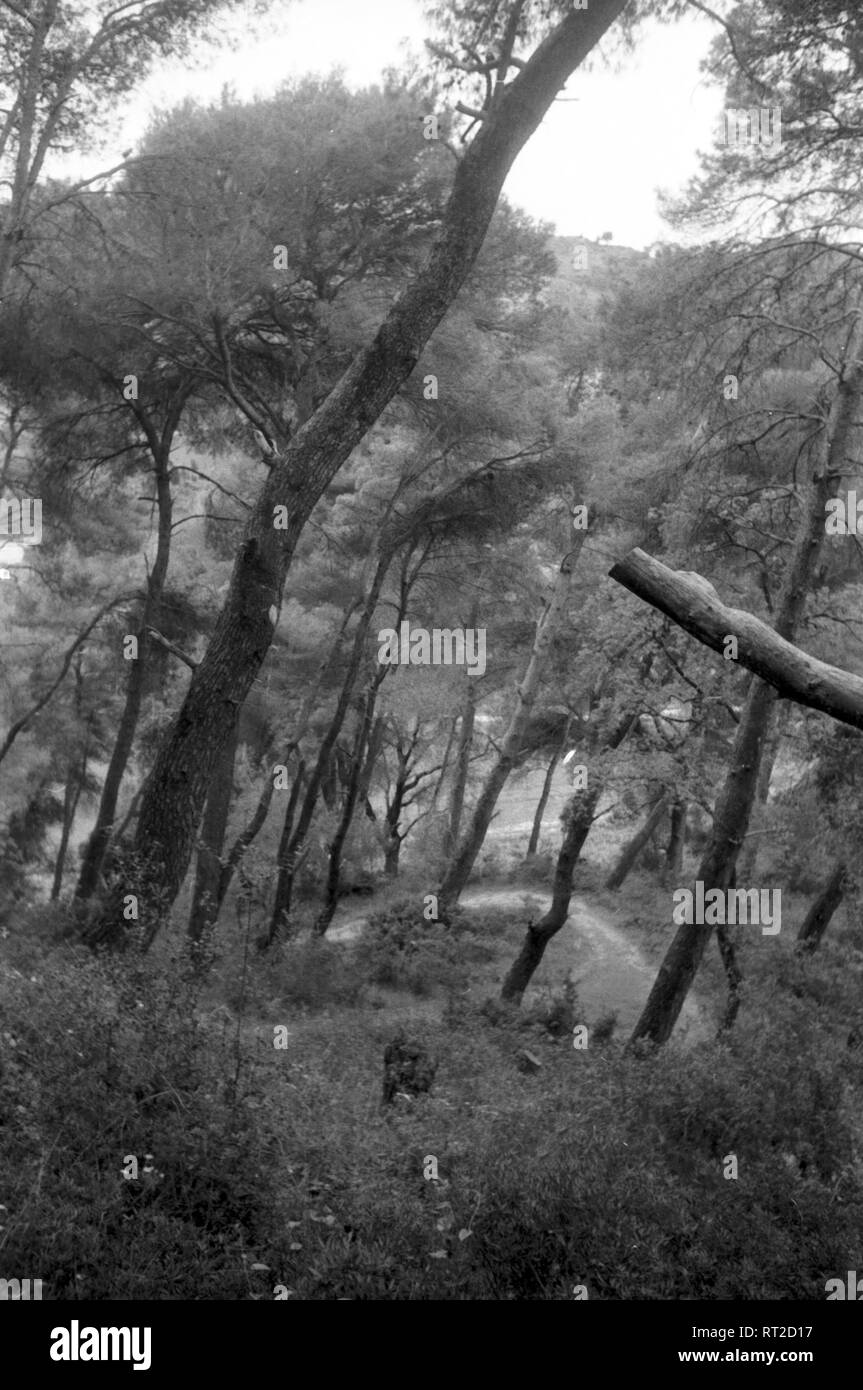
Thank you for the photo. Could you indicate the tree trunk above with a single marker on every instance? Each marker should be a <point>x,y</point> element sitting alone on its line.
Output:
<point>208,871</point>
<point>262,810</point>
<point>462,764</point>
<point>364,739</point>
<point>444,767</point>
<point>631,851</point>
<point>674,849</point>
<point>97,845</point>
<point>458,873</point>
<point>734,805</point>
<point>578,820</point>
<point>818,917</point>
<point>536,828</point>
<point>749,852</point>
<point>307,463</point>
<point>287,863</point>
<point>71,796</point>
<point>293,837</point>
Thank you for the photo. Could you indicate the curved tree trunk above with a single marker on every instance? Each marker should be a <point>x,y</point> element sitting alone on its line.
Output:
<point>579,819</point>
<point>818,918</point>
<point>304,465</point>
<point>577,823</point>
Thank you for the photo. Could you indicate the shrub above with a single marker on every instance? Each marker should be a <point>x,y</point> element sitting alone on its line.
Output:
<point>105,1060</point>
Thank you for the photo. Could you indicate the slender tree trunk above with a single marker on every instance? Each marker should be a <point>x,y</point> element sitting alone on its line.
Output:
<point>674,849</point>
<point>577,822</point>
<point>337,844</point>
<point>262,810</point>
<point>71,796</point>
<point>208,871</point>
<point>300,473</point>
<point>94,855</point>
<point>536,829</point>
<point>459,870</point>
<point>392,844</point>
<point>727,938</point>
<point>734,805</point>
<point>287,863</point>
<point>293,837</point>
<point>245,838</point>
<point>818,918</point>
<point>462,764</point>
<point>445,762</point>
<point>749,853</point>
<point>631,851</point>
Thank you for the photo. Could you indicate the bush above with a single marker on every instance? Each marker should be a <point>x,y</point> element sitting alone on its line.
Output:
<point>100,1062</point>
<point>401,949</point>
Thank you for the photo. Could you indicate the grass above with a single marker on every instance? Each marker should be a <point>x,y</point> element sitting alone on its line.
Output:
<point>278,1168</point>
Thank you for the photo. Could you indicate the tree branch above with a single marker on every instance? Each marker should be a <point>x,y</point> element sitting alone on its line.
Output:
<point>692,603</point>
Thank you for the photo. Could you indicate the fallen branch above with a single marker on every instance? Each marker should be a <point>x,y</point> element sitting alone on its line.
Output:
<point>692,603</point>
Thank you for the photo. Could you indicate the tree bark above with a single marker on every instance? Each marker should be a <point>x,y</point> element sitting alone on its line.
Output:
<point>304,467</point>
<point>818,918</point>
<point>71,796</point>
<point>788,669</point>
<point>208,871</point>
<point>536,828</point>
<point>734,805</point>
<point>94,855</point>
<point>292,838</point>
<point>287,863</point>
<point>631,851</point>
<point>674,849</point>
<point>578,822</point>
<point>462,765</point>
<point>458,873</point>
<point>365,740</point>
<point>749,852</point>
<point>579,818</point>
<point>445,763</point>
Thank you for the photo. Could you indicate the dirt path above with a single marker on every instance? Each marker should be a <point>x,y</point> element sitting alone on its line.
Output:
<point>610,970</point>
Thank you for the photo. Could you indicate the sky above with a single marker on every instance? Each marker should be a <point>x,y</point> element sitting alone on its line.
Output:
<point>593,166</point>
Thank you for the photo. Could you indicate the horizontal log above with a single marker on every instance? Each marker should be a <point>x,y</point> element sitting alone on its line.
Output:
<point>692,602</point>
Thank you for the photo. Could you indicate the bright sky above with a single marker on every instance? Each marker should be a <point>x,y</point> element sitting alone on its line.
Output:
<point>594,165</point>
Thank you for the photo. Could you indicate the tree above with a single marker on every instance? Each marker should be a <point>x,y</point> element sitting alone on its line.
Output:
<point>57,75</point>
<point>734,804</point>
<point>173,800</point>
